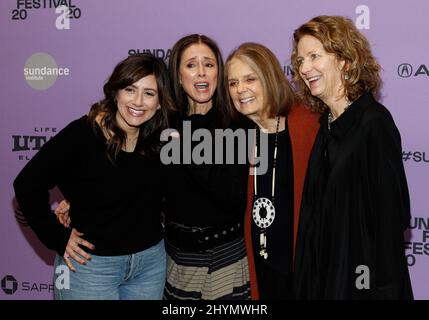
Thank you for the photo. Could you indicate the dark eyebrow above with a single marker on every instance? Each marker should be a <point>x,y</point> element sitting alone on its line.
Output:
<point>145,89</point>
<point>204,58</point>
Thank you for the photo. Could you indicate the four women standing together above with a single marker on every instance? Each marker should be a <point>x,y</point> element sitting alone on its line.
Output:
<point>354,205</point>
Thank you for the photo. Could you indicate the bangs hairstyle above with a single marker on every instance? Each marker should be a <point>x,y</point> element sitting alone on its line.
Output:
<point>339,36</point>
<point>127,72</point>
<point>180,97</point>
<point>278,94</point>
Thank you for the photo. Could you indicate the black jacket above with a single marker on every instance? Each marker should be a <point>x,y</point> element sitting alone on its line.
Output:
<point>355,208</point>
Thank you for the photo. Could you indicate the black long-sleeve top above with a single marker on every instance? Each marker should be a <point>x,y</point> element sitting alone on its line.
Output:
<point>116,206</point>
<point>355,208</point>
<point>207,194</point>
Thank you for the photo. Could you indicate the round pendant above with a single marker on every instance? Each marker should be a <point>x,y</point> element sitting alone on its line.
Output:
<point>263,212</point>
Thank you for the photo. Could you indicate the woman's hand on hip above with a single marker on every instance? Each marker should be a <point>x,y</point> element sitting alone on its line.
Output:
<point>74,251</point>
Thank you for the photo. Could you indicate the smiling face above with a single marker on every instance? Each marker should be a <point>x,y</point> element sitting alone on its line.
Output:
<point>137,103</point>
<point>321,71</point>
<point>245,89</point>
<point>198,73</point>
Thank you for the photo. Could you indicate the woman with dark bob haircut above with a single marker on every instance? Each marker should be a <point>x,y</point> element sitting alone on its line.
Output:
<point>107,165</point>
<point>355,204</point>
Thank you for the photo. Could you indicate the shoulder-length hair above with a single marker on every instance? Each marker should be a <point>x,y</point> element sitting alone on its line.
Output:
<point>339,36</point>
<point>180,96</point>
<point>127,72</point>
<point>278,94</point>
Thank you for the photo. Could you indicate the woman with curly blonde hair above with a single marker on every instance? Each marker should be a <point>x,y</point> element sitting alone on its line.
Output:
<point>355,205</point>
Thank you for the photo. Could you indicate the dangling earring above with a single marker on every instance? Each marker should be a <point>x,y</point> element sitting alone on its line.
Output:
<point>346,76</point>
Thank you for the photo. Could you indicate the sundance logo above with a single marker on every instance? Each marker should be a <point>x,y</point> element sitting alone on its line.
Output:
<point>41,71</point>
<point>159,53</point>
<point>406,70</point>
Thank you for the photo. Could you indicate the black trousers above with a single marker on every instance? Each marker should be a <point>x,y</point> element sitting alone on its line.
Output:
<point>272,284</point>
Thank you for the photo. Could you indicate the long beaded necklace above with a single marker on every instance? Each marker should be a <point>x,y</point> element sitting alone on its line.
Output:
<point>264,211</point>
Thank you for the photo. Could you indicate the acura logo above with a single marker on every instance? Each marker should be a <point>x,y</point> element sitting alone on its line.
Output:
<point>405,70</point>
<point>9,284</point>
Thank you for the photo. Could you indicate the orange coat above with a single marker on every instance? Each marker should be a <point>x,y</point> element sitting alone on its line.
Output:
<point>303,126</point>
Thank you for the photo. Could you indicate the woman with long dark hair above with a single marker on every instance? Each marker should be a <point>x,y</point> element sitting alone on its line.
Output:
<point>205,204</point>
<point>107,166</point>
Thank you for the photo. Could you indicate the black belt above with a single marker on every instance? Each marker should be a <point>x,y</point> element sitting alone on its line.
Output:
<point>194,239</point>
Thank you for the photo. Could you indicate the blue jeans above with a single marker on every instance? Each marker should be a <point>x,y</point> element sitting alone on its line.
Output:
<point>129,277</point>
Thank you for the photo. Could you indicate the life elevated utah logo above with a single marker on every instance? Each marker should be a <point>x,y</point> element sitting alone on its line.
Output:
<point>406,70</point>
<point>27,144</point>
<point>41,71</point>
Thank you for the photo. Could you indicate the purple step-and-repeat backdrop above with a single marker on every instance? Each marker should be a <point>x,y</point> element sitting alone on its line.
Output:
<point>83,40</point>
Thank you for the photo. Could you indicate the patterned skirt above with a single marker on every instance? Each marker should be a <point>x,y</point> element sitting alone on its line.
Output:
<point>220,273</point>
